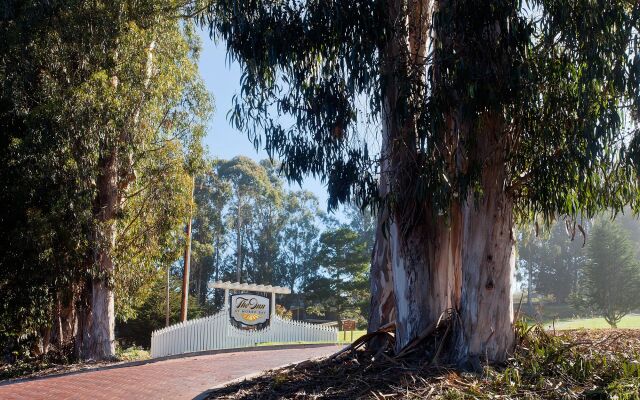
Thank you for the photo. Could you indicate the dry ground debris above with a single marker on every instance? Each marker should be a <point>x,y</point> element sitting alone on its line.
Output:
<point>580,364</point>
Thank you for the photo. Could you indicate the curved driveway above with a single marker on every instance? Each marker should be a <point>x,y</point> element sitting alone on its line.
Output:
<point>178,378</point>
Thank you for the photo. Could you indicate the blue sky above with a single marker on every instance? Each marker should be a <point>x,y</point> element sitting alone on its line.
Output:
<point>223,81</point>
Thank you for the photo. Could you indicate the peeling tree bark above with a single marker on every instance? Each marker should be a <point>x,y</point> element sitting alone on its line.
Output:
<point>486,309</point>
<point>460,261</point>
<point>382,309</point>
<point>488,259</point>
<point>424,249</point>
<point>382,296</point>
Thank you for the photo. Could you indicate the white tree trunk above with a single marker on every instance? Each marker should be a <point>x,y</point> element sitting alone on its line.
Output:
<point>382,306</point>
<point>486,309</point>
<point>99,341</point>
<point>461,261</point>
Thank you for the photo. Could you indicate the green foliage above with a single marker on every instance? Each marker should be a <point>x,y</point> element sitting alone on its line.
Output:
<point>151,314</point>
<point>552,264</point>
<point>342,284</point>
<point>543,360</point>
<point>134,353</point>
<point>550,79</point>
<point>282,312</point>
<point>82,82</point>
<point>612,272</point>
<point>299,239</point>
<point>242,204</point>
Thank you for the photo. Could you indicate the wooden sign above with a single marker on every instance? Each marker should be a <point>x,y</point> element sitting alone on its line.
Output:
<point>249,309</point>
<point>348,325</point>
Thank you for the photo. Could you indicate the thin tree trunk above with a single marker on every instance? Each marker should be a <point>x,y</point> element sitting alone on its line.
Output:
<point>68,318</point>
<point>58,332</point>
<point>187,259</point>
<point>239,240</point>
<point>168,299</point>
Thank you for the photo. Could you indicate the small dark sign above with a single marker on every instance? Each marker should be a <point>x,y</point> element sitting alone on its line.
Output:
<point>348,325</point>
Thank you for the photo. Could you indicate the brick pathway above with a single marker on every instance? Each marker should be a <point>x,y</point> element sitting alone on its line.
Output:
<point>181,378</point>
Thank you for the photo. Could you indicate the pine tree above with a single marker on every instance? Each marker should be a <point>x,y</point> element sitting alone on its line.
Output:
<point>612,272</point>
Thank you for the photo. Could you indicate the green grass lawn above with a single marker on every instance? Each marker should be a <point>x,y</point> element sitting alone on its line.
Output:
<point>630,321</point>
<point>341,339</point>
<point>345,337</point>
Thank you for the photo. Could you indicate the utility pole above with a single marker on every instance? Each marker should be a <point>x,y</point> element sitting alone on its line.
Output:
<point>168,308</point>
<point>187,259</point>
<point>239,239</point>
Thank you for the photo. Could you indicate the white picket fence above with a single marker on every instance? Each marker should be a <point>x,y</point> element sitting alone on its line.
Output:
<point>216,332</point>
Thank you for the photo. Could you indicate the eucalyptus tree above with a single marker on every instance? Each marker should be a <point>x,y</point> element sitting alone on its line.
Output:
<point>249,183</point>
<point>212,195</point>
<point>108,96</point>
<point>147,101</point>
<point>264,233</point>
<point>489,112</point>
<point>299,239</point>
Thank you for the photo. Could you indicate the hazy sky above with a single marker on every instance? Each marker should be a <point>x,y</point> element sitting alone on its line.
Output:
<point>223,81</point>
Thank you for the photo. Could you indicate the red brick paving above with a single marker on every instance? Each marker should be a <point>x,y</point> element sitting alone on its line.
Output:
<point>181,378</point>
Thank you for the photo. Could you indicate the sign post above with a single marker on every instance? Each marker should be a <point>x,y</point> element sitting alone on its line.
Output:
<point>348,325</point>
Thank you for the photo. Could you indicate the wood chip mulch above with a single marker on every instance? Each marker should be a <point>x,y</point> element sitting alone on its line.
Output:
<point>360,374</point>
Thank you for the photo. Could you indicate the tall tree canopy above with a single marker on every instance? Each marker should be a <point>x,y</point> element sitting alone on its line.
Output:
<point>490,112</point>
<point>102,113</point>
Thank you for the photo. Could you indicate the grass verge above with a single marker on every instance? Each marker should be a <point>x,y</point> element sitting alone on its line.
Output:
<point>628,322</point>
<point>54,363</point>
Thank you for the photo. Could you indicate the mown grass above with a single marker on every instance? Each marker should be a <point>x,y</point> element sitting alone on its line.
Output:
<point>628,322</point>
<point>343,338</point>
<point>346,337</point>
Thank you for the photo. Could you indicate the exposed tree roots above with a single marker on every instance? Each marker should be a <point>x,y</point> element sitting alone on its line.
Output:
<point>571,365</point>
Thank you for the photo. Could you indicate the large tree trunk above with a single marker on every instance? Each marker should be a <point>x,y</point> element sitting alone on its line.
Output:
<point>382,309</point>
<point>382,296</point>
<point>382,306</point>
<point>97,340</point>
<point>461,260</point>
<point>422,247</point>
<point>486,309</point>
<point>488,260</point>
<point>426,272</point>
